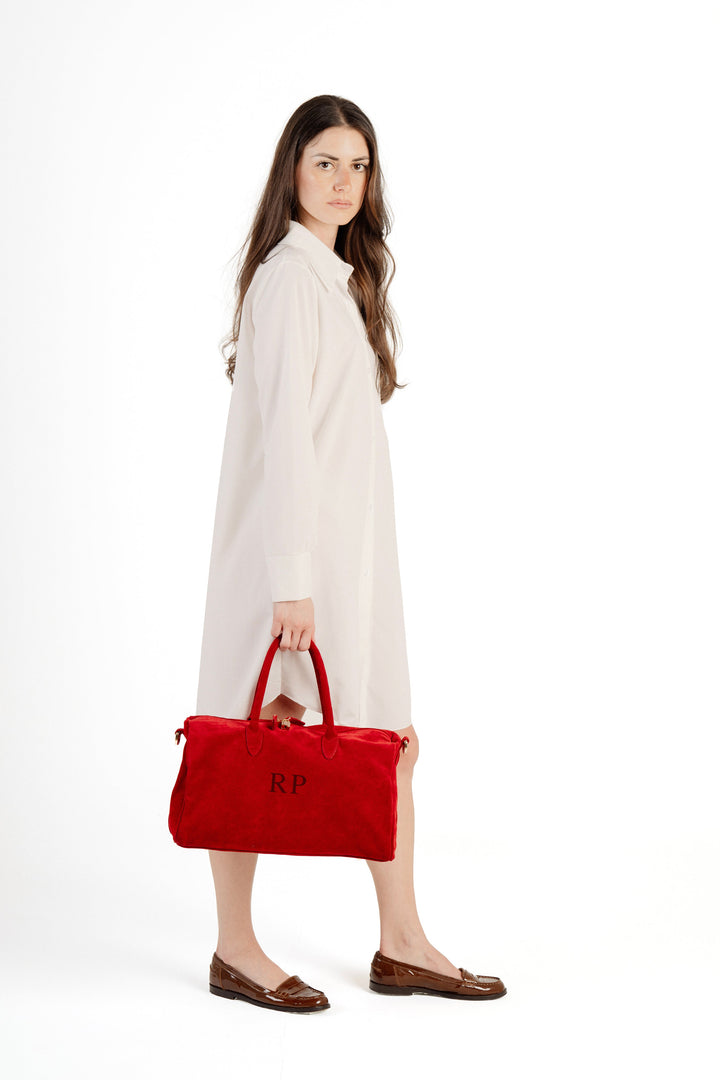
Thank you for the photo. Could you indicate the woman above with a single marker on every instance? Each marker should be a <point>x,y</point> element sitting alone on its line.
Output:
<point>305,528</point>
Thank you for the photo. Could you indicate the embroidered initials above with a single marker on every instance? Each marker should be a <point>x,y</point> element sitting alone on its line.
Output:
<point>278,779</point>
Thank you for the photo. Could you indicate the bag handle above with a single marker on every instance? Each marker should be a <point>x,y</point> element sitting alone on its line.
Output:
<point>254,733</point>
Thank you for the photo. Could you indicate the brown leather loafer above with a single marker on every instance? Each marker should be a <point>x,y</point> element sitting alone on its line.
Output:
<point>393,977</point>
<point>292,995</point>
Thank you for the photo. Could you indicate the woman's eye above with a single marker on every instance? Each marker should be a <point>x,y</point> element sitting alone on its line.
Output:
<point>361,164</point>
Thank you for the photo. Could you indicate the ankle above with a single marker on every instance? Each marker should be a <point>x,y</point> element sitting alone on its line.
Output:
<point>237,947</point>
<point>397,943</point>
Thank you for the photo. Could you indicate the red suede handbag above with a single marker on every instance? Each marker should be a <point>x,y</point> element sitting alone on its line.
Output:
<point>286,788</point>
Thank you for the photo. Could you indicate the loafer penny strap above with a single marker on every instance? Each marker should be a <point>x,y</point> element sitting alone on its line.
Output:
<point>476,980</point>
<point>293,986</point>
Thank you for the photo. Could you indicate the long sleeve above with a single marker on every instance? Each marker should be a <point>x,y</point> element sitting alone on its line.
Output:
<point>286,339</point>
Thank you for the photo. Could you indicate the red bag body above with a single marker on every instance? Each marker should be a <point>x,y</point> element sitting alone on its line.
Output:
<point>284,787</point>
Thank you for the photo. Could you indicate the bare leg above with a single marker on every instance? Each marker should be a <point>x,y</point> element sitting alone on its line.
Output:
<point>233,874</point>
<point>401,934</point>
<point>282,706</point>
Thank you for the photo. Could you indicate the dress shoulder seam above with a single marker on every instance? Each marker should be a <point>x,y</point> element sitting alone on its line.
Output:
<point>275,264</point>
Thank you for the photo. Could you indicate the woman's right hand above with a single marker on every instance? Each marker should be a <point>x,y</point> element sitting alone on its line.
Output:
<point>295,619</point>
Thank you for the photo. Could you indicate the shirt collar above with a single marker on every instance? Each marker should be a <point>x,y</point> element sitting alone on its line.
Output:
<point>329,266</point>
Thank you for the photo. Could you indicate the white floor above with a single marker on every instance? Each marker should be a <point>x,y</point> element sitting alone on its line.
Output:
<point>106,975</point>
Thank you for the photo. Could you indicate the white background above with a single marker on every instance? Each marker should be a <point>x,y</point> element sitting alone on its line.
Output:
<point>552,170</point>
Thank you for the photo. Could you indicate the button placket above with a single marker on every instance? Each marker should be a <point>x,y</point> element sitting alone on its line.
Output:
<point>366,568</point>
<point>360,324</point>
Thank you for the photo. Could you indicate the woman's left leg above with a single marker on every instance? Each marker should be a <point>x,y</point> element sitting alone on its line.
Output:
<point>401,934</point>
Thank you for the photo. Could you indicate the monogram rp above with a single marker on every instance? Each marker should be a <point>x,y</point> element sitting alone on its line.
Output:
<point>278,779</point>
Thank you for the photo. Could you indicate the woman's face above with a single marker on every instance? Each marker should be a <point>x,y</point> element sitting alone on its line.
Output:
<point>332,169</point>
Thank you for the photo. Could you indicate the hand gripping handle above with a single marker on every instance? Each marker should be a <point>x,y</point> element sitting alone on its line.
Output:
<point>254,733</point>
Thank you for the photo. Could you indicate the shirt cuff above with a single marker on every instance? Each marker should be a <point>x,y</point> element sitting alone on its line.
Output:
<point>290,576</point>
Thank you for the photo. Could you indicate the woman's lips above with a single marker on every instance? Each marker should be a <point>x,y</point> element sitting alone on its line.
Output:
<point>340,203</point>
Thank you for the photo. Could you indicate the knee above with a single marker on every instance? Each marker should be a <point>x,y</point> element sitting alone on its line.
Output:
<point>406,764</point>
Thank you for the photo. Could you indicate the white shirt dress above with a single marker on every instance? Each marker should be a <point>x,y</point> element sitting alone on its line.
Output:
<point>305,503</point>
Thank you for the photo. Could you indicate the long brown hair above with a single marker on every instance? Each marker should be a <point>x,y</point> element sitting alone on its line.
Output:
<point>361,242</point>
